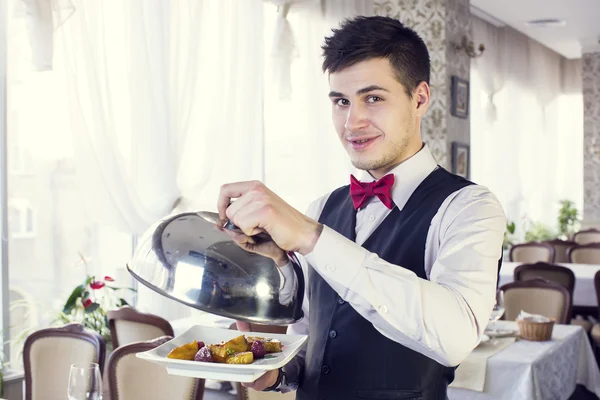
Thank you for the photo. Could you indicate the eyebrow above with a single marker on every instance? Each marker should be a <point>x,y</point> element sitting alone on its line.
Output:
<point>359,91</point>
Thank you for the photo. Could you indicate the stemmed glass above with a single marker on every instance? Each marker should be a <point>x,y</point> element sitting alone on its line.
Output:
<point>85,382</point>
<point>497,311</point>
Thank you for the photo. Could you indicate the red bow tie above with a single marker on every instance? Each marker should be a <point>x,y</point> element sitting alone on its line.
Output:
<point>360,192</point>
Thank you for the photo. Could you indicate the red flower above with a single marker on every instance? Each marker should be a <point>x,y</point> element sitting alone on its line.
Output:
<point>108,279</point>
<point>97,285</point>
<point>87,303</point>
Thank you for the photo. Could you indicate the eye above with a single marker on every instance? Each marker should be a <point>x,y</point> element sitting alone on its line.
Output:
<point>373,99</point>
<point>342,102</point>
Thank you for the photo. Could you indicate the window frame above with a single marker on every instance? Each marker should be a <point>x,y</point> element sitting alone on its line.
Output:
<point>4,294</point>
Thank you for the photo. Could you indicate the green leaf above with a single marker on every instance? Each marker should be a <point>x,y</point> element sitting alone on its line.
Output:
<point>70,304</point>
<point>511,228</point>
<point>91,308</point>
<point>123,303</point>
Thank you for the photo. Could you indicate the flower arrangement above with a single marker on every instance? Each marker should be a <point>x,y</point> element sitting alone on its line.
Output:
<point>89,303</point>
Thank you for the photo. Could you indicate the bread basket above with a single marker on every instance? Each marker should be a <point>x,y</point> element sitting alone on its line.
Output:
<point>535,331</point>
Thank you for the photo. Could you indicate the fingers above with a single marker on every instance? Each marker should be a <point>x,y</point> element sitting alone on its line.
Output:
<point>243,326</point>
<point>246,214</point>
<point>232,191</point>
<point>266,380</point>
<point>239,238</point>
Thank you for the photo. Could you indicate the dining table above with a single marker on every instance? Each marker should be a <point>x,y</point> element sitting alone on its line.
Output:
<point>584,294</point>
<point>526,369</point>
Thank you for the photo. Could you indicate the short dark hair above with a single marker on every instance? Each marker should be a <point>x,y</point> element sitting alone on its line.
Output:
<point>363,38</point>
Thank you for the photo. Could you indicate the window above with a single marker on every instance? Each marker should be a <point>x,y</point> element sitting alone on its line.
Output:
<point>21,219</point>
<point>49,224</point>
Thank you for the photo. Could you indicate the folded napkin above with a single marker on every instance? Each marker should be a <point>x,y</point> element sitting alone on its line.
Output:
<point>470,374</point>
<point>532,317</point>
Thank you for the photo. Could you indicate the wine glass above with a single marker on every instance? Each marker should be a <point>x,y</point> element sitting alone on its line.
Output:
<point>85,382</point>
<point>497,311</point>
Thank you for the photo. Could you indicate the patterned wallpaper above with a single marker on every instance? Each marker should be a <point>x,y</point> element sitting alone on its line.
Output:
<point>458,24</point>
<point>435,21</point>
<point>591,138</point>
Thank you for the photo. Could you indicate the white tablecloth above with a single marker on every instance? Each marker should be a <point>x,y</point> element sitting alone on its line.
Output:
<point>538,370</point>
<point>585,292</point>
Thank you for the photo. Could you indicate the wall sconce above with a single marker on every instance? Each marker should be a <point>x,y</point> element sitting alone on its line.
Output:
<point>469,48</point>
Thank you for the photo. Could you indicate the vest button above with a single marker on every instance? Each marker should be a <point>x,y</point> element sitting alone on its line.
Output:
<point>332,334</point>
<point>340,300</point>
<point>324,369</point>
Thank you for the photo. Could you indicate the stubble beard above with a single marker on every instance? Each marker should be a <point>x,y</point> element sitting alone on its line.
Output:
<point>388,159</point>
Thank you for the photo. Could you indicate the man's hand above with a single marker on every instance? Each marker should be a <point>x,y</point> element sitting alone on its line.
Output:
<point>268,249</point>
<point>265,381</point>
<point>257,209</point>
<point>269,378</point>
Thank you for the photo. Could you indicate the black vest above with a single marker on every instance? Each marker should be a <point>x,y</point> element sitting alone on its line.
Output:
<point>347,358</point>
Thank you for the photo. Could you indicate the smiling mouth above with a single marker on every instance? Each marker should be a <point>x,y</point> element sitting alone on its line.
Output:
<point>361,143</point>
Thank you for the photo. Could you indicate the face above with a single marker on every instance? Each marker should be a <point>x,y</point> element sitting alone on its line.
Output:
<point>376,121</point>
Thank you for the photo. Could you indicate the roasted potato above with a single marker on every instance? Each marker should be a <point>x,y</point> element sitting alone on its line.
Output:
<point>245,357</point>
<point>185,352</point>
<point>220,352</point>
<point>237,345</point>
<point>270,345</point>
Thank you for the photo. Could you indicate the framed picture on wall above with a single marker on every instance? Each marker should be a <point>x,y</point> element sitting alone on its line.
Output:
<point>460,97</point>
<point>460,159</point>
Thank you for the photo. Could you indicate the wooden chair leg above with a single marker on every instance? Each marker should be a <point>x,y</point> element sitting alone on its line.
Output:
<point>242,393</point>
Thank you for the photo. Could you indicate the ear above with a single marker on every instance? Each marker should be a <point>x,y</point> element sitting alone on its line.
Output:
<point>421,97</point>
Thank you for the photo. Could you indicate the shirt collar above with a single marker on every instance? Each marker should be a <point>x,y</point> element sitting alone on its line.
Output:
<point>408,175</point>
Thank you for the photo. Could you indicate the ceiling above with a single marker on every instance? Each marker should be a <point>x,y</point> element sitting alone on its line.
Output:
<point>582,29</point>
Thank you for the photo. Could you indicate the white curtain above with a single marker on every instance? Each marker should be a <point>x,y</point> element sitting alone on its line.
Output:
<point>162,110</point>
<point>303,156</point>
<point>491,67</point>
<point>530,154</point>
<point>166,103</point>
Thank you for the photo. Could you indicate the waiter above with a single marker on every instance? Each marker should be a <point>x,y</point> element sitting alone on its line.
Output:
<point>401,264</point>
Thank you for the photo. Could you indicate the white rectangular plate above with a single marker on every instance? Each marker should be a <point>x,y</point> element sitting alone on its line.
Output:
<point>226,372</point>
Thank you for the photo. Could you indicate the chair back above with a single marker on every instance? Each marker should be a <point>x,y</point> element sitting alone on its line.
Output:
<point>48,355</point>
<point>131,378</point>
<point>127,325</point>
<point>587,236</point>
<point>554,273</point>
<point>597,286</point>
<point>245,394</point>
<point>537,296</point>
<point>531,252</point>
<point>560,249</point>
<point>585,254</point>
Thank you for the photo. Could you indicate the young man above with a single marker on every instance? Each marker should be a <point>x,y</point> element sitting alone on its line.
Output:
<point>401,268</point>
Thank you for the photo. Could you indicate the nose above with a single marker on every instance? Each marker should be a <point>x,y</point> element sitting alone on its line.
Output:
<point>356,118</point>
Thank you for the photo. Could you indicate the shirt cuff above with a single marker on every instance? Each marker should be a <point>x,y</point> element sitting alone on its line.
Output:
<point>337,258</point>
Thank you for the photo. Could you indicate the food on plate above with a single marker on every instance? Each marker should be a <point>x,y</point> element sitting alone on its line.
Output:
<point>203,354</point>
<point>239,350</point>
<point>271,345</point>
<point>185,352</point>
<point>220,352</point>
<point>258,349</point>
<point>244,357</point>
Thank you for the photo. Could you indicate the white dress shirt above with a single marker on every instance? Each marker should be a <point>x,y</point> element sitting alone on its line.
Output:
<point>442,317</point>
